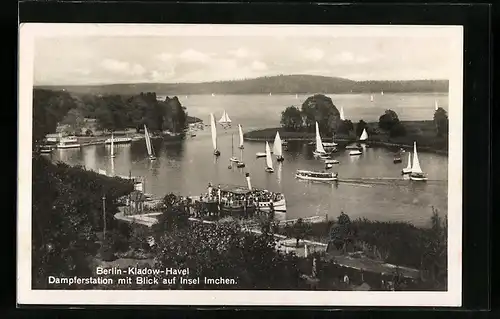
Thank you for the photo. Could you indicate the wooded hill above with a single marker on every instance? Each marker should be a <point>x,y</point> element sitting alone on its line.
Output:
<point>280,84</point>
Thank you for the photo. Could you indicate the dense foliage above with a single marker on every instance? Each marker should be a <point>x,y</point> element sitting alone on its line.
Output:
<point>282,84</point>
<point>67,215</point>
<point>112,112</point>
<point>317,108</point>
<point>441,122</point>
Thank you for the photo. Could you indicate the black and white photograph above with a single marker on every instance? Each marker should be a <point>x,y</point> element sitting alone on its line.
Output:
<point>183,164</point>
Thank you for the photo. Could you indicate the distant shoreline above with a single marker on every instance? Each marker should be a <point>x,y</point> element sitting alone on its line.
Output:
<point>268,134</point>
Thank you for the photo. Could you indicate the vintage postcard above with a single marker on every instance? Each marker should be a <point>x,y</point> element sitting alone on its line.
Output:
<point>240,165</point>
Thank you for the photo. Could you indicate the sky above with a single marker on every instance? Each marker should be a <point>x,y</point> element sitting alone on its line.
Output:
<point>79,59</point>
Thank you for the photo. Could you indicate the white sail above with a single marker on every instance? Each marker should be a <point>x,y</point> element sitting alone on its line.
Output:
<point>214,131</point>
<point>319,143</point>
<point>371,98</point>
<point>408,167</point>
<point>148,141</point>
<point>224,118</point>
<point>296,96</point>
<point>269,160</point>
<point>277,146</point>
<point>241,135</point>
<point>436,106</point>
<point>342,117</point>
<point>415,168</point>
<point>381,92</point>
<point>364,136</point>
<point>112,146</point>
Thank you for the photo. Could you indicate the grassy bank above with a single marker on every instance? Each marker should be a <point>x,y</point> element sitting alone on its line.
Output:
<point>423,132</point>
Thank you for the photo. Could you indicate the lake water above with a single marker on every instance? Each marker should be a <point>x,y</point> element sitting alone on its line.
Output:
<point>371,185</point>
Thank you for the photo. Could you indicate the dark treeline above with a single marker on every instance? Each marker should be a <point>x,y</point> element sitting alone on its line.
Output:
<point>281,84</point>
<point>67,215</point>
<point>112,112</point>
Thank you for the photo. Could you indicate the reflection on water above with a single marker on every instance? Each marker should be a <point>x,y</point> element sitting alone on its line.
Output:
<point>370,185</point>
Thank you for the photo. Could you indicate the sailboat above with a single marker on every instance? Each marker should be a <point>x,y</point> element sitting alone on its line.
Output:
<point>381,92</point>
<point>371,98</point>
<point>278,148</point>
<point>319,151</point>
<point>213,94</point>
<point>214,134</point>
<point>269,160</point>
<point>436,106</point>
<point>296,96</point>
<point>364,136</point>
<point>233,158</point>
<point>270,94</point>
<point>225,120</point>
<point>416,171</point>
<point>241,137</point>
<point>407,169</point>
<point>332,144</point>
<point>112,147</point>
<point>342,117</point>
<point>151,152</point>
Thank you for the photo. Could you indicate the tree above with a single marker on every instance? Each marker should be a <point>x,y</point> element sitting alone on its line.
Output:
<point>75,121</point>
<point>320,108</point>
<point>388,120</point>
<point>224,250</point>
<point>291,119</point>
<point>341,233</point>
<point>441,122</point>
<point>360,127</point>
<point>434,260</point>
<point>397,130</point>
<point>345,127</point>
<point>299,230</point>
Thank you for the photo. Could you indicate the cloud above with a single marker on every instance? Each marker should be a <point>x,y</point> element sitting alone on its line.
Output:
<point>164,57</point>
<point>314,54</point>
<point>122,67</point>
<point>259,66</point>
<point>346,57</point>
<point>240,53</point>
<point>191,55</point>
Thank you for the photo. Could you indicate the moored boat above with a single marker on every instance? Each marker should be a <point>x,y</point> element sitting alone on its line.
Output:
<point>278,148</point>
<point>269,160</point>
<point>149,146</point>
<point>233,158</point>
<point>316,176</point>
<point>416,171</point>
<point>68,142</point>
<point>225,121</point>
<point>240,131</point>
<point>407,169</point>
<point>214,134</point>
<point>112,151</point>
<point>320,150</point>
<point>355,152</point>
<point>397,158</point>
<point>260,154</point>
<point>331,161</point>
<point>118,140</point>
<point>328,166</point>
<point>46,149</point>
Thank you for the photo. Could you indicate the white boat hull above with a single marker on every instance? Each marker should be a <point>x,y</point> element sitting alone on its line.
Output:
<point>321,154</point>
<point>269,170</point>
<point>319,179</point>
<point>355,153</point>
<point>68,146</point>
<point>331,161</point>
<point>329,144</point>
<point>260,154</point>
<point>119,141</point>
<point>234,159</point>
<point>279,206</point>
<point>418,178</point>
<point>406,171</point>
